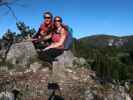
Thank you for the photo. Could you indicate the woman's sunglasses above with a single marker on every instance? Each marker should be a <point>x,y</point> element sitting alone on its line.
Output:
<point>57,20</point>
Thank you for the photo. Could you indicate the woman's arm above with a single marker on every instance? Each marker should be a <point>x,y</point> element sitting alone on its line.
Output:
<point>61,42</point>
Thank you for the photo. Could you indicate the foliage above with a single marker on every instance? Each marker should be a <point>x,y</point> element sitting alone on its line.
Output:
<point>25,30</point>
<point>110,62</point>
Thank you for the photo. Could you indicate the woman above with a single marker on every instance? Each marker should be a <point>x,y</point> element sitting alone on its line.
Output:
<point>57,46</point>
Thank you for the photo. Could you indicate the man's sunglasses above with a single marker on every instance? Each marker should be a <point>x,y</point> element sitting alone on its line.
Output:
<point>47,17</point>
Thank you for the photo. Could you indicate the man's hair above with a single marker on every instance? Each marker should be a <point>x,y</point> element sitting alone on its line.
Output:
<point>49,13</point>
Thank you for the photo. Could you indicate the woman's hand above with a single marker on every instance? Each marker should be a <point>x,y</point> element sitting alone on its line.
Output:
<point>49,47</point>
<point>53,45</point>
<point>46,49</point>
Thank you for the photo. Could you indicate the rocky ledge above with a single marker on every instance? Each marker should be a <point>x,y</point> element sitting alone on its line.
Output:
<point>30,79</point>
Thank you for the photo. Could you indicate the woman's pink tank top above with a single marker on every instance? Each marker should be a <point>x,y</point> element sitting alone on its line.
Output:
<point>56,37</point>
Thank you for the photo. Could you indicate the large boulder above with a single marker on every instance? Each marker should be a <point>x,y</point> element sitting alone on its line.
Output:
<point>68,60</point>
<point>64,63</point>
<point>21,53</point>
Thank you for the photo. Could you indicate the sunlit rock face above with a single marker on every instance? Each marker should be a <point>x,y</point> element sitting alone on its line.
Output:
<point>21,53</point>
<point>76,81</point>
<point>6,96</point>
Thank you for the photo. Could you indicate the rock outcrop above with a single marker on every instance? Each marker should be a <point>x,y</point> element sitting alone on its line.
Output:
<point>21,54</point>
<point>76,81</point>
<point>64,63</point>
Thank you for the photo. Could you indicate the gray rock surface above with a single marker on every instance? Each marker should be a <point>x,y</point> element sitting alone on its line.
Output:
<point>76,81</point>
<point>66,59</point>
<point>35,66</point>
<point>6,96</point>
<point>64,63</point>
<point>21,53</point>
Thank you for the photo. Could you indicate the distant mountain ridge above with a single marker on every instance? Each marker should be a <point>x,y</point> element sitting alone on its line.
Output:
<point>107,40</point>
<point>110,56</point>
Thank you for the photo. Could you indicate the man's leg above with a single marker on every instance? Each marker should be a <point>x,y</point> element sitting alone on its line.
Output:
<point>55,53</point>
<point>50,55</point>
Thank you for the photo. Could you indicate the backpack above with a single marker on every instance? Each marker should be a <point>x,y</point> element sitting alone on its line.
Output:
<point>69,39</point>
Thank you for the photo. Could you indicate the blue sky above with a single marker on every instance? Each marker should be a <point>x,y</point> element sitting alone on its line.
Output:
<point>86,17</point>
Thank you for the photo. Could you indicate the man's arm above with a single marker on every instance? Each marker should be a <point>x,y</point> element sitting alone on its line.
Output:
<point>47,36</point>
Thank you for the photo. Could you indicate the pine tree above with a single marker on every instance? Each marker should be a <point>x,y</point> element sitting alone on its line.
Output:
<point>25,31</point>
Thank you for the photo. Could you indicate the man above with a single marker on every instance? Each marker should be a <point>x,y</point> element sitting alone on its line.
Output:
<point>43,37</point>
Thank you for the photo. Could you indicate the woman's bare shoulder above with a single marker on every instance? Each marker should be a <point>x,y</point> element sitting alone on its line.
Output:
<point>63,30</point>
